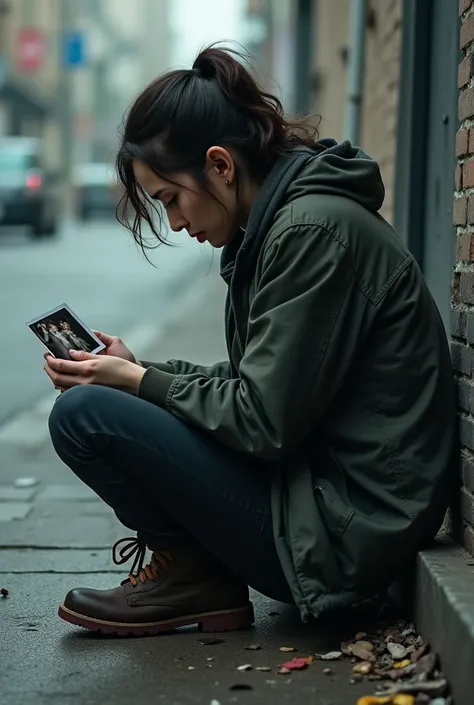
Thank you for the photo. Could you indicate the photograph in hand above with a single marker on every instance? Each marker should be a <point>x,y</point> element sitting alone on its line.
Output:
<point>61,330</point>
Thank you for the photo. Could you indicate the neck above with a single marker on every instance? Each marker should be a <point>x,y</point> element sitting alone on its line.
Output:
<point>249,195</point>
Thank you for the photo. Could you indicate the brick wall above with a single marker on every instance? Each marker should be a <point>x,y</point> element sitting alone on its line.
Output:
<point>462,515</point>
<point>381,82</point>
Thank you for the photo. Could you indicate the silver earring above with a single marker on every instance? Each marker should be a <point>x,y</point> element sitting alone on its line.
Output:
<point>227,182</point>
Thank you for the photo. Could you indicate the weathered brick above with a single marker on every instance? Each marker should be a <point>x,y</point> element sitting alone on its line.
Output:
<point>465,247</point>
<point>466,431</point>
<point>464,393</point>
<point>462,356</point>
<point>462,142</point>
<point>467,471</point>
<point>467,505</point>
<point>464,5</point>
<point>456,285</point>
<point>468,173</point>
<point>466,292</point>
<point>467,538</point>
<point>464,72</point>
<point>470,210</point>
<point>467,31</point>
<point>460,211</point>
<point>458,178</point>
<point>458,323</point>
<point>469,318</point>
<point>466,102</point>
<point>470,142</point>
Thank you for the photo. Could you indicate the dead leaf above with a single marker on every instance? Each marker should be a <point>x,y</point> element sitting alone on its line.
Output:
<point>241,686</point>
<point>403,699</point>
<point>397,651</point>
<point>426,665</point>
<point>210,640</point>
<point>287,649</point>
<point>245,667</point>
<point>364,668</point>
<point>372,700</point>
<point>331,656</point>
<point>327,671</point>
<point>191,668</point>
<point>263,668</point>
<point>252,647</point>
<point>362,654</point>
<point>365,645</point>
<point>434,688</point>
<point>310,659</point>
<point>395,674</point>
<point>4,592</point>
<point>295,664</point>
<point>402,664</point>
<point>360,635</point>
<point>346,647</point>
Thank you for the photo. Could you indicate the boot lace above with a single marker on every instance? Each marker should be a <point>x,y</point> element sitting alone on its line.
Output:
<point>139,572</point>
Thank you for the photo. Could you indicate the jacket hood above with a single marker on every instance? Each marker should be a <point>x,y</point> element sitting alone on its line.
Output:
<point>331,168</point>
<point>340,169</point>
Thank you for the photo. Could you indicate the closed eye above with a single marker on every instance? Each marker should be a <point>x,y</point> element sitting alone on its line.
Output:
<point>170,203</point>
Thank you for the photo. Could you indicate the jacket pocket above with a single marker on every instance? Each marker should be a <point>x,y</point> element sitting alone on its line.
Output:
<point>330,492</point>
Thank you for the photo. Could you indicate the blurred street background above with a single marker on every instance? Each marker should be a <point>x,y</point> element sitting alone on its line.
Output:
<point>385,74</point>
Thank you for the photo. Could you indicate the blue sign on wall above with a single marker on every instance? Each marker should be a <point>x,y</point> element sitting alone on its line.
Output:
<point>74,49</point>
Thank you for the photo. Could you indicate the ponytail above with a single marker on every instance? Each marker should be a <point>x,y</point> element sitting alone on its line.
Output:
<point>182,113</point>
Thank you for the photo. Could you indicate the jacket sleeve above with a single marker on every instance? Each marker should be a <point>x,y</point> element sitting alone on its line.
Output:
<point>181,367</point>
<point>306,322</point>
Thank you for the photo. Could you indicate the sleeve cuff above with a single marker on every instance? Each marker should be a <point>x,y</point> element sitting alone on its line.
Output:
<point>163,366</point>
<point>155,386</point>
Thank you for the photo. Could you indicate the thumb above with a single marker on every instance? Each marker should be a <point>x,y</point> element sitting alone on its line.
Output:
<point>104,337</point>
<point>81,355</point>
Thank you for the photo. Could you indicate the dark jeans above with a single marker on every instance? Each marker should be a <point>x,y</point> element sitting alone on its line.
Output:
<point>171,482</point>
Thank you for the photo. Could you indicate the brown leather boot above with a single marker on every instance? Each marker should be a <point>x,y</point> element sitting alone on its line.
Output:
<point>177,588</point>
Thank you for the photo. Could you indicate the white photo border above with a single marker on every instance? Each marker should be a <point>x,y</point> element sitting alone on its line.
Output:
<point>100,345</point>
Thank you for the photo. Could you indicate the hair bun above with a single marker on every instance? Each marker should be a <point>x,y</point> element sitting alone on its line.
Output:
<point>204,66</point>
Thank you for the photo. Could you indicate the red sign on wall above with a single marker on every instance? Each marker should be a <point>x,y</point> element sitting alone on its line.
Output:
<point>31,49</point>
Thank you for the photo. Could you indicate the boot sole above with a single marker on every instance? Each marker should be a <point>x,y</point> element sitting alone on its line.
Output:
<point>223,621</point>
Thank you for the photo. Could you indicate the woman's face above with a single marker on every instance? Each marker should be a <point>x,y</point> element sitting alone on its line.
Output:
<point>189,207</point>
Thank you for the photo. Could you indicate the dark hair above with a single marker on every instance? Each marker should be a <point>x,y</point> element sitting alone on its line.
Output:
<point>182,113</point>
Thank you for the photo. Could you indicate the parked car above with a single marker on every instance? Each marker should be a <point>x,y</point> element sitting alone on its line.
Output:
<point>96,189</point>
<point>28,190</point>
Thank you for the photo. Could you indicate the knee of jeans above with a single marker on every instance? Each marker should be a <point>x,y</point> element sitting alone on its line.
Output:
<point>70,408</point>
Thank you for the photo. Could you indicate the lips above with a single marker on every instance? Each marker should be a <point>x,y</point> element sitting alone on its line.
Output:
<point>200,237</point>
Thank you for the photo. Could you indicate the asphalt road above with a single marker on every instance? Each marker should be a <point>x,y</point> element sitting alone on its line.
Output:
<point>99,271</point>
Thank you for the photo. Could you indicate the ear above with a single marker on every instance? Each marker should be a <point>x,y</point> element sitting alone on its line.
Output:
<point>221,162</point>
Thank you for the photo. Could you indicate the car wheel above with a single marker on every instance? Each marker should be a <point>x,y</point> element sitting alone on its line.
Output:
<point>41,229</point>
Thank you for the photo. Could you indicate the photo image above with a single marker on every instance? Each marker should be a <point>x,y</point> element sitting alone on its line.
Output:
<point>61,330</point>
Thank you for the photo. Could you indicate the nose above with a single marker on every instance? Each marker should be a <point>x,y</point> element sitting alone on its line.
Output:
<point>177,222</point>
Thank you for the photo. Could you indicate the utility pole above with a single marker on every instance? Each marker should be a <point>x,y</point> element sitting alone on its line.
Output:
<point>65,105</point>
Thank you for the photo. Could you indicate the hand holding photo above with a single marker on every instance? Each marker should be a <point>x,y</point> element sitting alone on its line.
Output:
<point>61,330</point>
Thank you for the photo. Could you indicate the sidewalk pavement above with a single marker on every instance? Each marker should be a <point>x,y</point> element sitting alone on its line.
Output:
<point>58,534</point>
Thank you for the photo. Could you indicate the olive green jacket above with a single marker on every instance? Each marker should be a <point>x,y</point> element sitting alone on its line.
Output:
<point>339,373</point>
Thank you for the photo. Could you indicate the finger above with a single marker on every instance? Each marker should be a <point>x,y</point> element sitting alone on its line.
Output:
<point>63,382</point>
<point>68,367</point>
<point>81,355</point>
<point>104,337</point>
